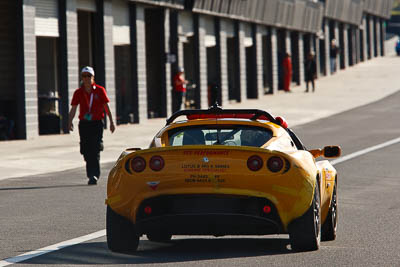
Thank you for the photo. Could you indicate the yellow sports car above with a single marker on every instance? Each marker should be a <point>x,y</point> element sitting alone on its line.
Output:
<point>223,172</point>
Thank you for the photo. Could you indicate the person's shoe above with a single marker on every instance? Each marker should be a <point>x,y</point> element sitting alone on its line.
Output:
<point>93,180</point>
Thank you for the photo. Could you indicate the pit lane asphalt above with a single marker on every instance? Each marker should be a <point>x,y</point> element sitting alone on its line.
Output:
<point>46,209</point>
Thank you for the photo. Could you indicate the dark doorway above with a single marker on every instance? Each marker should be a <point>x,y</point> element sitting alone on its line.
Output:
<point>155,59</point>
<point>382,34</point>
<point>267,63</point>
<point>233,69</point>
<point>212,76</point>
<point>351,45</point>
<point>322,57</point>
<point>251,67</point>
<point>189,66</point>
<point>48,85</point>
<point>123,86</point>
<point>368,32</point>
<point>331,31</point>
<point>306,46</point>
<point>361,45</point>
<point>86,37</point>
<point>281,38</point>
<point>12,102</point>
<point>341,46</point>
<point>375,37</point>
<point>294,46</point>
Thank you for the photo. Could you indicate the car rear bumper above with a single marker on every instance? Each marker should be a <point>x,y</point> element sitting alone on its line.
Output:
<point>208,215</point>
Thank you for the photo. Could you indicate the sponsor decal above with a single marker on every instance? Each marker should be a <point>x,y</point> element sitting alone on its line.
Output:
<point>205,178</point>
<point>205,167</point>
<point>206,152</point>
<point>153,185</point>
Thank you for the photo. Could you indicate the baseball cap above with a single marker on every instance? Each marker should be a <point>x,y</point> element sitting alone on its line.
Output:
<point>88,70</point>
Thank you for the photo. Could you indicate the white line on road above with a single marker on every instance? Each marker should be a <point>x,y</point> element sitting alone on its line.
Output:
<point>78,240</point>
<point>365,151</point>
<point>52,248</point>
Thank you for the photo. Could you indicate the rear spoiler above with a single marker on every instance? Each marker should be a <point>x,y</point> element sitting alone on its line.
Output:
<point>216,112</point>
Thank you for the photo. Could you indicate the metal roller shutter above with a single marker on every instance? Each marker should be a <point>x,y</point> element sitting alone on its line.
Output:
<point>86,5</point>
<point>210,39</point>
<point>229,28</point>
<point>121,33</point>
<point>248,39</point>
<point>46,19</point>
<point>186,23</point>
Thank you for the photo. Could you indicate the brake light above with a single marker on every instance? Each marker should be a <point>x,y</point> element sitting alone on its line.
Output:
<point>275,164</point>
<point>254,163</point>
<point>156,163</point>
<point>148,210</point>
<point>267,209</point>
<point>138,164</point>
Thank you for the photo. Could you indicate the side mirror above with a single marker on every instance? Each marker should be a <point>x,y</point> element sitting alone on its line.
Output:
<point>332,151</point>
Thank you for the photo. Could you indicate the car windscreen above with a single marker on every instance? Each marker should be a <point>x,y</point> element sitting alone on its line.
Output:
<point>229,135</point>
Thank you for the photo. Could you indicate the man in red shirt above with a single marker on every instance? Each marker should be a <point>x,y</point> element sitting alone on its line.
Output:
<point>179,88</point>
<point>92,100</point>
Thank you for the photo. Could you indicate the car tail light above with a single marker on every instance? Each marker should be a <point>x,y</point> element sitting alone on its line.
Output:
<point>148,210</point>
<point>156,163</point>
<point>275,164</point>
<point>138,164</point>
<point>267,209</point>
<point>254,163</point>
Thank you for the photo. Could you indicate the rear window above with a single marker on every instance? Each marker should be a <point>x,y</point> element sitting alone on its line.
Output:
<point>220,135</point>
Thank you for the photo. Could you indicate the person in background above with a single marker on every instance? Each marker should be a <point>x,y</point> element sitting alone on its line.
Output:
<point>310,71</point>
<point>287,72</point>
<point>334,50</point>
<point>397,46</point>
<point>93,101</point>
<point>179,88</point>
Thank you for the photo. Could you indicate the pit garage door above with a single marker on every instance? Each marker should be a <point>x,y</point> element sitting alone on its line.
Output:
<point>46,19</point>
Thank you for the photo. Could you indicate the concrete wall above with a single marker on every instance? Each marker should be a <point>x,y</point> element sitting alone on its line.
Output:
<point>274,45</point>
<point>109,56</point>
<point>259,60</point>
<point>224,62</point>
<point>141,63</point>
<point>27,94</point>
<point>327,47</point>
<point>242,62</point>
<point>202,59</point>
<point>301,58</point>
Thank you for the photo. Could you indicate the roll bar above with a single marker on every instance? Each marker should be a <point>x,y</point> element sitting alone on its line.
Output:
<point>253,114</point>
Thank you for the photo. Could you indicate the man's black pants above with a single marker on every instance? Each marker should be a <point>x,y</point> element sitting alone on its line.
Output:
<point>91,143</point>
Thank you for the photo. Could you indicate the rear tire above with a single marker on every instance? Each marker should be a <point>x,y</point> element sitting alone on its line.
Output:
<point>159,237</point>
<point>121,233</point>
<point>330,225</point>
<point>305,231</point>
